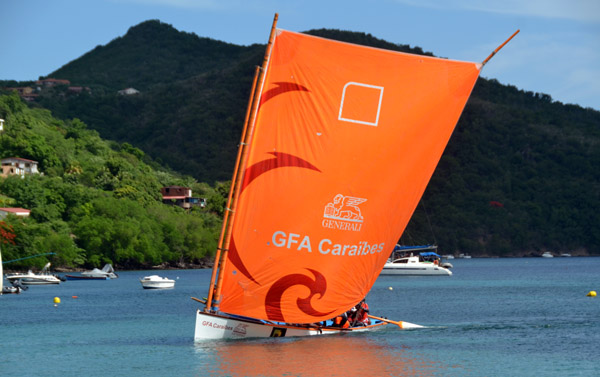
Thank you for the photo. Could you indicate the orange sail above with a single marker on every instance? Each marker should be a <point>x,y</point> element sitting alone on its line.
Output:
<point>345,141</point>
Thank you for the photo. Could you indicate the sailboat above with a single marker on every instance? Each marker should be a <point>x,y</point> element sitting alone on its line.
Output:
<point>338,146</point>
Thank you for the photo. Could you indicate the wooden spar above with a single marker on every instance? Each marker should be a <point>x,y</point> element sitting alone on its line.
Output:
<point>498,48</point>
<point>224,227</point>
<point>234,192</point>
<point>401,324</point>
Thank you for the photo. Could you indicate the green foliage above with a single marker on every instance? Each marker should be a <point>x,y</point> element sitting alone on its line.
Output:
<point>94,202</point>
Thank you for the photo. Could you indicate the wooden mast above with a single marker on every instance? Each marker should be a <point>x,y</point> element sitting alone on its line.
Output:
<point>214,294</point>
<point>498,48</point>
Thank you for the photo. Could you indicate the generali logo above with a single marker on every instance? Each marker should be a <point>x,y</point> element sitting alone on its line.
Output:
<point>343,213</point>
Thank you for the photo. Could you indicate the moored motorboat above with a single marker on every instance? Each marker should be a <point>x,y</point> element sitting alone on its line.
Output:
<point>547,254</point>
<point>31,278</point>
<point>15,287</point>
<point>414,266</point>
<point>157,282</point>
<point>106,272</point>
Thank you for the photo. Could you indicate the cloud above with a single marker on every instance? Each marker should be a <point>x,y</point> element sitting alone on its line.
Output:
<point>577,10</point>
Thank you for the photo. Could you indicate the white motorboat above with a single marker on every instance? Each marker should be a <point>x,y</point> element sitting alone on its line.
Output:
<point>547,254</point>
<point>157,282</point>
<point>106,272</point>
<point>413,266</point>
<point>31,278</point>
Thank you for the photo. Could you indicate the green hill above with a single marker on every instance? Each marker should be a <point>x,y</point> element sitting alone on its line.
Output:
<point>519,175</point>
<point>94,201</point>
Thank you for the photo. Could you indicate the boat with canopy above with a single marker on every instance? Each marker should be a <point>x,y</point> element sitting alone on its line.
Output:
<point>338,146</point>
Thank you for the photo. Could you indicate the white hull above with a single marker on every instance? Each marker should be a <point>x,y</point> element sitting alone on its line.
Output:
<point>158,285</point>
<point>412,266</point>
<point>416,271</point>
<point>212,326</point>
<point>32,279</point>
<point>156,282</point>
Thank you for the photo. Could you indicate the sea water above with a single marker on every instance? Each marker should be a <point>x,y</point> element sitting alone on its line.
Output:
<point>493,317</point>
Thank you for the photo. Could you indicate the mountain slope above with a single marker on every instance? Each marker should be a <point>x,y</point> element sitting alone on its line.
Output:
<point>519,175</point>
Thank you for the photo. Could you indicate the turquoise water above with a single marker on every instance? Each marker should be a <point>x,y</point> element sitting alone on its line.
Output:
<point>493,317</point>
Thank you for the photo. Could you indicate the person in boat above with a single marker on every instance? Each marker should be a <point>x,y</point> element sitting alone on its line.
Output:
<point>346,319</point>
<point>342,320</point>
<point>361,314</point>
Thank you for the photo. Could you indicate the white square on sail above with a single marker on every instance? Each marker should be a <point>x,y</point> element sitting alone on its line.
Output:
<point>361,103</point>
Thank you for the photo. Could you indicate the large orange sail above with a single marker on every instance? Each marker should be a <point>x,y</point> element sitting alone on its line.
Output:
<point>345,141</point>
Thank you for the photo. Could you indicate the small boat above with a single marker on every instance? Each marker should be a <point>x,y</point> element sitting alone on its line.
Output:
<point>31,278</point>
<point>15,287</point>
<point>107,272</point>
<point>157,282</point>
<point>330,168</point>
<point>547,254</point>
<point>414,266</point>
<point>565,255</point>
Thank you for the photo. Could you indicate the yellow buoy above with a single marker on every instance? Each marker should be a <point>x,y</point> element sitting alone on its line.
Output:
<point>56,300</point>
<point>591,294</point>
<point>391,289</point>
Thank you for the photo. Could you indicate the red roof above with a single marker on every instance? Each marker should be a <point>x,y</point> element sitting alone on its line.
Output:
<point>15,210</point>
<point>175,197</point>
<point>18,158</point>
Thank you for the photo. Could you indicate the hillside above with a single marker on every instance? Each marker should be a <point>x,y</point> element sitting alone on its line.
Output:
<point>518,177</point>
<point>93,201</point>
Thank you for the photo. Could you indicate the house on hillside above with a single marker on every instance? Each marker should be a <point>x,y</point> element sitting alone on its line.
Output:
<point>79,89</point>
<point>25,92</point>
<point>18,166</point>
<point>181,197</point>
<point>128,91</point>
<point>52,82</point>
<point>14,211</point>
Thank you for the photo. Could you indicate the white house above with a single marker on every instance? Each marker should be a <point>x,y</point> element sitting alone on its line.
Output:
<point>18,166</point>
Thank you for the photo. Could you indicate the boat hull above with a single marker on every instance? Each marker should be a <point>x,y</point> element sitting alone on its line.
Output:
<point>41,280</point>
<point>81,277</point>
<point>214,326</point>
<point>416,271</point>
<point>157,282</point>
<point>158,285</point>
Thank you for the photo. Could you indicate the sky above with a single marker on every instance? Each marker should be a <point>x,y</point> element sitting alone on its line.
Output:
<point>557,51</point>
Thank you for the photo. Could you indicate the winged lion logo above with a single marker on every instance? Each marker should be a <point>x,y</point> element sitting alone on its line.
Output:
<point>344,208</point>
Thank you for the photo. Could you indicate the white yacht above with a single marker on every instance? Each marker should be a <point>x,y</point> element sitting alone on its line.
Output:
<point>413,266</point>
<point>31,278</point>
<point>157,282</point>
